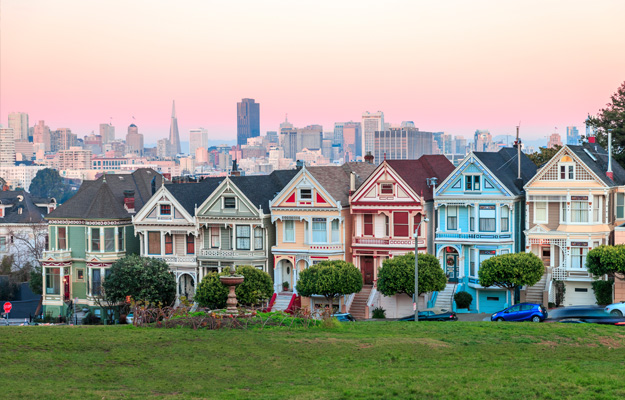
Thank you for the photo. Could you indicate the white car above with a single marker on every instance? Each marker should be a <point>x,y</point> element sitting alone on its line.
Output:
<point>616,309</point>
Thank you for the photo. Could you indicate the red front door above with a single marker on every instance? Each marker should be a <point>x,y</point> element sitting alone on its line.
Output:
<point>367,270</point>
<point>66,288</point>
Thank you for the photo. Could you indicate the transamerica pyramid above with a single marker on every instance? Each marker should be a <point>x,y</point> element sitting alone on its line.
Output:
<point>174,136</point>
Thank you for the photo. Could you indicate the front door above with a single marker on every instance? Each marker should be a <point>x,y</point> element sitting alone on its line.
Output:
<point>451,265</point>
<point>545,255</point>
<point>367,270</point>
<point>67,294</point>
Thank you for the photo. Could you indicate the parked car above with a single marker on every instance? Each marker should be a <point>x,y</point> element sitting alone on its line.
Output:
<point>616,309</point>
<point>521,312</point>
<point>585,315</point>
<point>432,316</point>
<point>344,317</point>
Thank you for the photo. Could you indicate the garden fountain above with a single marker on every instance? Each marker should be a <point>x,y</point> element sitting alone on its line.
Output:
<point>232,281</point>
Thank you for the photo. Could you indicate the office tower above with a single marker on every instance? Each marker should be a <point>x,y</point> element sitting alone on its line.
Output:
<point>174,136</point>
<point>272,137</point>
<point>197,138</point>
<point>107,131</point>
<point>572,135</point>
<point>483,140</point>
<point>309,137</point>
<point>288,141</point>
<point>371,123</point>
<point>7,147</point>
<point>134,140</point>
<point>94,143</point>
<point>74,158</point>
<point>163,148</point>
<point>352,139</point>
<point>554,140</point>
<point>65,139</point>
<point>402,144</point>
<point>338,133</point>
<point>18,121</point>
<point>461,145</point>
<point>41,135</point>
<point>248,120</point>
<point>408,124</point>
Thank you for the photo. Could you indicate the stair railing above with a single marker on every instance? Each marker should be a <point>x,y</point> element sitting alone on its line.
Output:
<point>348,301</point>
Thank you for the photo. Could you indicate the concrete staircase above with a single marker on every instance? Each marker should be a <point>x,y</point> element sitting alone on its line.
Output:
<point>445,298</point>
<point>359,304</point>
<point>282,301</point>
<point>534,294</point>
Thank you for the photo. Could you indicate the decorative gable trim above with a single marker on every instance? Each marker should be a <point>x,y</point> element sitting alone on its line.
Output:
<point>306,180</point>
<point>384,173</point>
<point>161,195</point>
<point>553,163</point>
<point>226,187</point>
<point>469,160</point>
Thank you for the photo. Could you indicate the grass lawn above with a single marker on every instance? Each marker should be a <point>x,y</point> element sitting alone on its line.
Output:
<point>379,360</point>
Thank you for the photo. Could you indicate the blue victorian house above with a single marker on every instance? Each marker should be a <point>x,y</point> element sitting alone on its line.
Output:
<point>480,214</point>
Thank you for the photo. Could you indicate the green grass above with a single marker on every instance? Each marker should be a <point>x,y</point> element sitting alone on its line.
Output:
<point>379,360</point>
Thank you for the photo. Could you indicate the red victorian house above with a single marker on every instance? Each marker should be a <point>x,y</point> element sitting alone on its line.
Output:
<point>386,210</point>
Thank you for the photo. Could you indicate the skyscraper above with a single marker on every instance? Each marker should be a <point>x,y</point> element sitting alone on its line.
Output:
<point>572,135</point>
<point>7,147</point>
<point>41,135</point>
<point>483,141</point>
<point>248,120</point>
<point>352,139</point>
<point>134,140</point>
<point>371,123</point>
<point>197,138</point>
<point>18,121</point>
<point>402,144</point>
<point>554,140</point>
<point>174,136</point>
<point>107,131</point>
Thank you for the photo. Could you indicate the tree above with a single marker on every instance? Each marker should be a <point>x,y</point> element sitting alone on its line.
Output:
<point>397,275</point>
<point>612,117</point>
<point>510,271</point>
<point>607,260</point>
<point>144,279</point>
<point>48,183</point>
<point>28,244</point>
<point>331,279</point>
<point>256,288</point>
<point>543,155</point>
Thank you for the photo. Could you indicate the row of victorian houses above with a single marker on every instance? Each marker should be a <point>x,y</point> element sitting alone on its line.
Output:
<point>282,223</point>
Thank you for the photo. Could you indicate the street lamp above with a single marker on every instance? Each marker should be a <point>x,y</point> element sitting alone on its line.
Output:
<point>416,269</point>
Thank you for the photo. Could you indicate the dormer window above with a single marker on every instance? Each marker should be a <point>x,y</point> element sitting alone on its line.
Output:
<point>165,209</point>
<point>567,168</point>
<point>230,202</point>
<point>472,183</point>
<point>386,188</point>
<point>305,194</point>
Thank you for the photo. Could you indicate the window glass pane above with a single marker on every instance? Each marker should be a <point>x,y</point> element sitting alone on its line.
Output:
<point>468,183</point>
<point>289,231</point>
<point>165,209</point>
<point>476,182</point>
<point>62,237</point>
<point>109,239</point>
<point>563,211</point>
<point>169,244</point>
<point>320,233</point>
<point>504,218</point>
<point>120,239</point>
<point>243,237</point>
<point>452,218</point>
<point>305,194</point>
<point>154,243</point>
<point>96,282</point>
<point>230,202</point>
<point>335,231</point>
<point>53,281</point>
<point>368,224</point>
<point>214,235</point>
<point>400,222</point>
<point>258,239</point>
<point>620,205</point>
<point>579,211</point>
<point>190,244</point>
<point>95,239</point>
<point>541,211</point>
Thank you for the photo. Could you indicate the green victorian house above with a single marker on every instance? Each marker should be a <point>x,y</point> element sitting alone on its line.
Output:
<point>87,234</point>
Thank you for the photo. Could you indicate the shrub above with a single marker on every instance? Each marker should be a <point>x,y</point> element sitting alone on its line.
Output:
<point>603,291</point>
<point>256,288</point>
<point>463,299</point>
<point>560,291</point>
<point>379,312</point>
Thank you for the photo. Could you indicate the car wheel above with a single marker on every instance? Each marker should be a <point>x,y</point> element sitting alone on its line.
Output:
<point>617,313</point>
<point>535,318</point>
<point>499,319</point>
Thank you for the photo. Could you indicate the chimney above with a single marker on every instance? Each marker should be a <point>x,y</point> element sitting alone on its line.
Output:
<point>299,164</point>
<point>352,182</point>
<point>517,144</point>
<point>369,158</point>
<point>609,173</point>
<point>129,200</point>
<point>235,169</point>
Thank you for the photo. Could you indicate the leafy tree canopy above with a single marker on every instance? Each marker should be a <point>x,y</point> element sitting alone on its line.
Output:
<point>330,279</point>
<point>142,278</point>
<point>511,270</point>
<point>612,117</point>
<point>397,275</point>
<point>256,288</point>
<point>543,155</point>
<point>604,260</point>
<point>48,183</point>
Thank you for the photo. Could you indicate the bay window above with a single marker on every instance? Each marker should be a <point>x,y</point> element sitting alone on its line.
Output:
<point>243,237</point>
<point>53,281</point>
<point>540,212</point>
<point>578,257</point>
<point>95,239</point>
<point>319,230</point>
<point>120,239</point>
<point>452,218</point>
<point>169,244</point>
<point>289,231</point>
<point>191,244</point>
<point>154,243</point>
<point>505,218</point>
<point>487,219</point>
<point>368,231</point>
<point>335,231</point>
<point>258,238</point>
<point>579,211</point>
<point>400,224</point>
<point>109,239</point>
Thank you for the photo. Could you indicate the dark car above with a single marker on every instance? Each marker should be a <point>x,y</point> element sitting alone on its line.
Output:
<point>344,317</point>
<point>431,316</point>
<point>585,315</point>
<point>521,312</point>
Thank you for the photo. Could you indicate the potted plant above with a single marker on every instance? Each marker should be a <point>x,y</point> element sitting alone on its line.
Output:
<point>285,286</point>
<point>463,301</point>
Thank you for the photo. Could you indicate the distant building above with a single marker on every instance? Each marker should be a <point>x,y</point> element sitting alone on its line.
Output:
<point>93,143</point>
<point>174,135</point>
<point>7,147</point>
<point>554,140</point>
<point>352,139</point>
<point>248,120</point>
<point>74,158</point>
<point>64,139</point>
<point>197,138</point>
<point>483,141</point>
<point>163,148</point>
<point>402,144</point>
<point>288,140</point>
<point>19,122</point>
<point>371,123</point>
<point>134,140</point>
<point>572,135</point>
<point>41,135</point>
<point>107,131</point>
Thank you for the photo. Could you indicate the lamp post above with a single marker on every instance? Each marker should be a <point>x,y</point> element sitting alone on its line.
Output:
<point>416,269</point>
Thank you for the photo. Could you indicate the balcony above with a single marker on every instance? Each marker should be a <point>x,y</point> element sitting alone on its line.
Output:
<point>174,259</point>
<point>571,274</point>
<point>386,242</point>
<point>474,236</point>
<point>219,254</point>
<point>57,255</point>
<point>104,256</point>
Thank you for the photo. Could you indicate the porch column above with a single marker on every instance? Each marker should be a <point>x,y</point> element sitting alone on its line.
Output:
<point>89,288</point>
<point>62,281</point>
<point>163,242</point>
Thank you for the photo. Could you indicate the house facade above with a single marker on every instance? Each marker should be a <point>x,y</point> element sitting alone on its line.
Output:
<point>313,222</point>
<point>87,234</point>
<point>573,205</point>
<point>480,211</point>
<point>386,210</point>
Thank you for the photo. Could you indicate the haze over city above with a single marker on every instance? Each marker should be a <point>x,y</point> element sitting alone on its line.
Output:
<point>450,66</point>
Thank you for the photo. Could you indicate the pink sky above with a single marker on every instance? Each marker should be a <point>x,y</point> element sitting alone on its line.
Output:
<point>453,66</point>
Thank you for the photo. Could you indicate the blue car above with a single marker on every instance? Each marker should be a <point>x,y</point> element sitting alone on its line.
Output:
<point>521,312</point>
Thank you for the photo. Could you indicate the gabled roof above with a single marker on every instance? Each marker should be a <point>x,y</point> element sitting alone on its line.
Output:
<point>504,165</point>
<point>416,172</point>
<point>104,197</point>
<point>30,212</point>
<point>335,179</point>
<point>193,194</point>
<point>600,164</point>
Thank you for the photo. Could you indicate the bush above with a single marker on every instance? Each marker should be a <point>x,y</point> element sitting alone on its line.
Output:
<point>560,290</point>
<point>603,291</point>
<point>256,288</point>
<point>463,299</point>
<point>379,313</point>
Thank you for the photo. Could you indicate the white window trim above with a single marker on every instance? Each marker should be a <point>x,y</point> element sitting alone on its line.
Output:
<point>567,164</point>
<point>464,183</point>
<point>386,194</point>
<point>447,219</point>
<point>223,202</point>
<point>546,221</point>
<point>299,193</point>
<point>171,209</point>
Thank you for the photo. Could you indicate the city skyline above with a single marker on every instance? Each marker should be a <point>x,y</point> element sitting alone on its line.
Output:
<point>544,64</point>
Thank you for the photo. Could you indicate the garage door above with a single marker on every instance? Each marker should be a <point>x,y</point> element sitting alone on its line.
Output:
<point>579,294</point>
